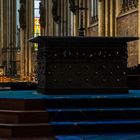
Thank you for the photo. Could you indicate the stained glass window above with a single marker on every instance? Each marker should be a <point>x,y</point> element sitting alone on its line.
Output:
<point>37,28</point>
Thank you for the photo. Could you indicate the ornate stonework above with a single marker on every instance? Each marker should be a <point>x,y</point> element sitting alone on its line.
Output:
<point>127,6</point>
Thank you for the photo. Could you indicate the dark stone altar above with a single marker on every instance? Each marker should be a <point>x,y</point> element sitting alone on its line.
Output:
<point>78,65</point>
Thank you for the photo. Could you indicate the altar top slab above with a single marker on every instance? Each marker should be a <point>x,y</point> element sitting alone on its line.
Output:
<point>77,39</point>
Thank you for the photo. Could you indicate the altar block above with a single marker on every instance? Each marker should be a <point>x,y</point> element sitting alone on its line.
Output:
<point>82,65</point>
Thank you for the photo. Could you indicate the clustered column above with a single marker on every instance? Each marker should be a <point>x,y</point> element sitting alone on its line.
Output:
<point>26,27</point>
<point>106,10</point>
<point>8,36</point>
<point>1,30</point>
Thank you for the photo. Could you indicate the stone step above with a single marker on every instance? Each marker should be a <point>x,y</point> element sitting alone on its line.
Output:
<point>93,114</point>
<point>25,130</point>
<point>15,117</point>
<point>22,104</point>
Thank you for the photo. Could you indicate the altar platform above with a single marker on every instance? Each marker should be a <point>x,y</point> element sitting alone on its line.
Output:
<point>70,117</point>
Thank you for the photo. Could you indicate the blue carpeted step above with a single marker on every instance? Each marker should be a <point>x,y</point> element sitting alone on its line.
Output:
<point>82,114</point>
<point>116,136</point>
<point>100,102</point>
<point>88,127</point>
<point>89,114</point>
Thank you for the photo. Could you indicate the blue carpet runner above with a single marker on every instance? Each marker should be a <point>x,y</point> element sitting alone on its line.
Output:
<point>25,94</point>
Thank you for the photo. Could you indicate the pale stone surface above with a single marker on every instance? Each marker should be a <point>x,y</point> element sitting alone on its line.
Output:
<point>127,25</point>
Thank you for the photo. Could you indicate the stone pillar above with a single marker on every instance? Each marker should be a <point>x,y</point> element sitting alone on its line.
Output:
<point>8,35</point>
<point>25,34</point>
<point>117,12</point>
<point>30,31</point>
<point>69,20</point>
<point>10,43</point>
<point>43,17</point>
<point>8,46</point>
<point>76,20</point>
<point>101,11</point>
<point>111,11</point>
<point>86,16</point>
<point>107,17</point>
<point>12,38</point>
<point>51,22</point>
<point>22,21</point>
<point>64,17</point>
<point>118,4</point>
<point>49,29</point>
<point>22,56</point>
<point>46,12</point>
<point>5,34</point>
<point>47,17</point>
<point>1,30</point>
<point>75,24</point>
<point>139,33</point>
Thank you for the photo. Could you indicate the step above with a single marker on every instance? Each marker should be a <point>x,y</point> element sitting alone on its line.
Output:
<point>25,130</point>
<point>32,116</point>
<point>96,127</point>
<point>95,102</point>
<point>31,138</point>
<point>22,104</point>
<point>110,136</point>
<point>90,114</point>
